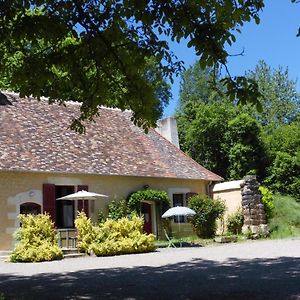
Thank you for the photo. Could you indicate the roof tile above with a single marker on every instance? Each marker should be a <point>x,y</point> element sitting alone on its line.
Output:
<point>35,137</point>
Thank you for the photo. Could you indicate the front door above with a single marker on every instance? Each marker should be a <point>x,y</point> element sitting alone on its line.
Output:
<point>146,213</point>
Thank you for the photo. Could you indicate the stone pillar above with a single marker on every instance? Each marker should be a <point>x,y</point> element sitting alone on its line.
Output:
<point>253,210</point>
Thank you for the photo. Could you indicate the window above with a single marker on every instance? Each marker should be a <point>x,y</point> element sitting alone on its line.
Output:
<point>30,208</point>
<point>178,200</point>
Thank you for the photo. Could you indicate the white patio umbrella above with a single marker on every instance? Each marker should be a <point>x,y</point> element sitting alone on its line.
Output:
<point>178,211</point>
<point>83,195</point>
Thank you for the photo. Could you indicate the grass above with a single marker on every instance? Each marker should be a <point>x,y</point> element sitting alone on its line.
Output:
<point>190,240</point>
<point>286,218</point>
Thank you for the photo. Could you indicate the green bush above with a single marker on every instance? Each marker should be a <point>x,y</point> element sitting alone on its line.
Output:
<point>113,236</point>
<point>37,240</point>
<point>267,201</point>
<point>118,209</point>
<point>135,199</point>
<point>235,222</point>
<point>207,211</point>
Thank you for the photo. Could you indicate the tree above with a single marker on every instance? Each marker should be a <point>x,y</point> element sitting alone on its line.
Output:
<point>96,51</point>
<point>285,174</point>
<point>202,129</point>
<point>197,86</point>
<point>284,170</point>
<point>244,147</point>
<point>217,133</point>
<point>280,99</point>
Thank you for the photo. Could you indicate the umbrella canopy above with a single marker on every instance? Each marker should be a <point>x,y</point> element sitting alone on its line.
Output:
<point>83,195</point>
<point>178,211</point>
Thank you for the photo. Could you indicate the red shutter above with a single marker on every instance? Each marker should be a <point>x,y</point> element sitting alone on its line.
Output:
<point>83,205</point>
<point>49,200</point>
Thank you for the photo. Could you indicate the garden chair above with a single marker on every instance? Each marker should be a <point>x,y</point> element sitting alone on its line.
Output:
<point>171,244</point>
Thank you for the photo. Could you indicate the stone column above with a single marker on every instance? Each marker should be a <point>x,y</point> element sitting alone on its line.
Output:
<point>253,209</point>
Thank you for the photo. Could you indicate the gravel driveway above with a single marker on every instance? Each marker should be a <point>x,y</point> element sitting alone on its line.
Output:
<point>250,270</point>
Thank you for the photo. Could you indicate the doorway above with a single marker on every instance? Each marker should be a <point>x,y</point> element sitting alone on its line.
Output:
<point>64,208</point>
<point>146,213</point>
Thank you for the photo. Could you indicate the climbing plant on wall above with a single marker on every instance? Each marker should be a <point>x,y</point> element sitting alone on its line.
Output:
<point>157,196</point>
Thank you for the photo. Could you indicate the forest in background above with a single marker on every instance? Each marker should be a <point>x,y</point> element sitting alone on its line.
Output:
<point>236,140</point>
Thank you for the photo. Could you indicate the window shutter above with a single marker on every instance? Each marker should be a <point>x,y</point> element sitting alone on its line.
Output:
<point>83,204</point>
<point>49,200</point>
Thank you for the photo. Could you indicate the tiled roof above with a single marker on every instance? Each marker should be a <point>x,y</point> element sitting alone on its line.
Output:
<point>35,137</point>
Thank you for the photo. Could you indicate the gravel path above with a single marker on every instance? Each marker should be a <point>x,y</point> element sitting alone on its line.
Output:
<point>250,270</point>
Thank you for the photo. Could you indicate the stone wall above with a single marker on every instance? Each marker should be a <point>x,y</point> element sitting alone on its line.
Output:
<point>253,209</point>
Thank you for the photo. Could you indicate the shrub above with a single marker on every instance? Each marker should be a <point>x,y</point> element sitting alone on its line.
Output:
<point>207,211</point>
<point>113,236</point>
<point>118,209</point>
<point>235,222</point>
<point>267,200</point>
<point>37,240</point>
<point>100,217</point>
<point>123,236</point>
<point>86,232</point>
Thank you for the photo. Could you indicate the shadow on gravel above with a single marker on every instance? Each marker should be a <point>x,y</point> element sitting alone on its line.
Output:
<point>198,279</point>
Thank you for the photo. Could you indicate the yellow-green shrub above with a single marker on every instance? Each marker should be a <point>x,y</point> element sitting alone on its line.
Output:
<point>37,240</point>
<point>114,236</point>
<point>86,232</point>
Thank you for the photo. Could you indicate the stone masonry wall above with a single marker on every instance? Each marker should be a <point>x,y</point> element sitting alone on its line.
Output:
<point>253,209</point>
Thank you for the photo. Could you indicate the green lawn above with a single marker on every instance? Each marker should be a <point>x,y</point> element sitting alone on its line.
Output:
<point>190,240</point>
<point>286,217</point>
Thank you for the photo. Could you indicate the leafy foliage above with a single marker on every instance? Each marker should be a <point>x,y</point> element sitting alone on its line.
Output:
<point>267,200</point>
<point>244,147</point>
<point>235,222</point>
<point>285,174</point>
<point>283,143</point>
<point>280,99</point>
<point>207,211</point>
<point>199,86</point>
<point>86,232</point>
<point>123,236</point>
<point>136,198</point>
<point>234,141</point>
<point>113,236</point>
<point>98,52</point>
<point>202,130</point>
<point>118,209</point>
<point>221,139</point>
<point>37,240</point>
<point>285,221</point>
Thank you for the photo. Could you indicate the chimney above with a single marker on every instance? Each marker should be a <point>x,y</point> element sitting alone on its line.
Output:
<point>168,129</point>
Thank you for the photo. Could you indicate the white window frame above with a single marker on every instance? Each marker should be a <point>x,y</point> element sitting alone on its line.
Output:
<point>184,191</point>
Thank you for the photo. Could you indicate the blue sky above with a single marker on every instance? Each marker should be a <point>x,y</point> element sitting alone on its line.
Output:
<point>273,40</point>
